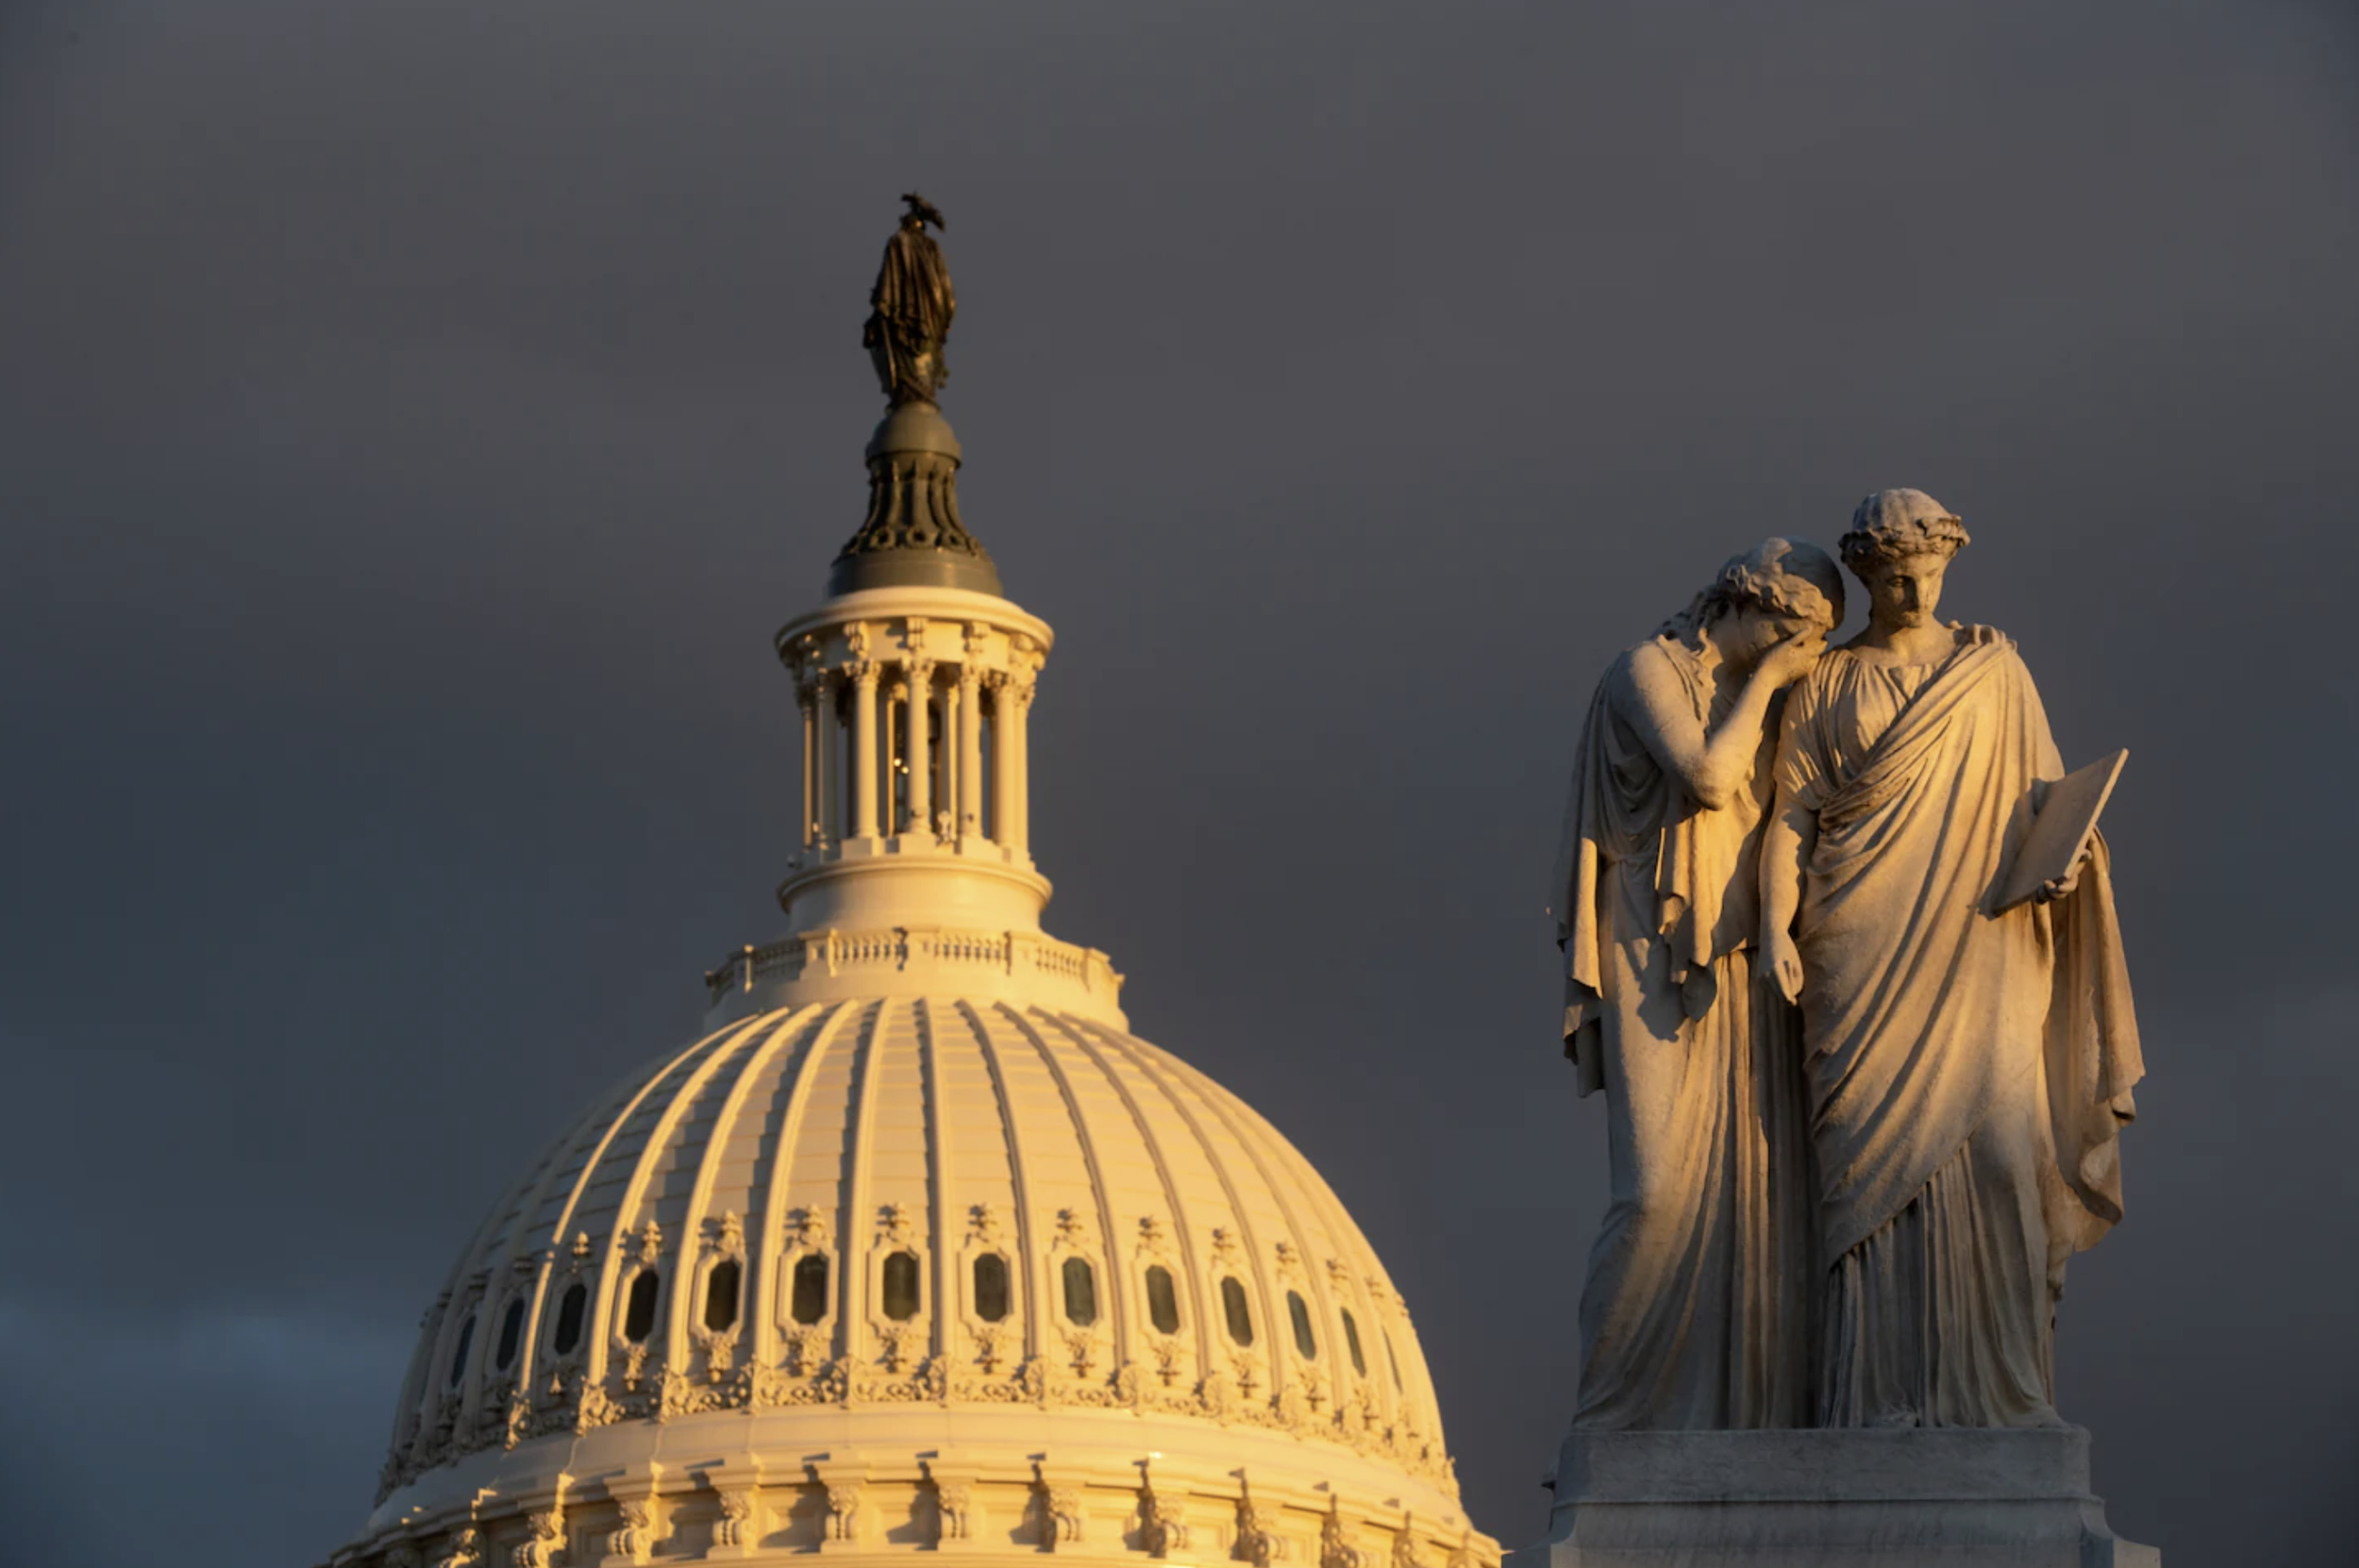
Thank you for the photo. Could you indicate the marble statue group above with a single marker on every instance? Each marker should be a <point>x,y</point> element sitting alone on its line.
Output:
<point>1858,1114</point>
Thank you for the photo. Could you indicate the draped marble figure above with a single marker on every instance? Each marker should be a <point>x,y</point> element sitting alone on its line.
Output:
<point>1695,1309</point>
<point>1966,1073</point>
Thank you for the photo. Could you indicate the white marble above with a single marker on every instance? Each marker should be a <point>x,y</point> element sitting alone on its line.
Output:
<point>1862,1109</point>
<point>1696,1311</point>
<point>1969,1068</point>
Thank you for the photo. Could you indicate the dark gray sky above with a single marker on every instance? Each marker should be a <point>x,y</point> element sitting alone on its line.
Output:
<point>413,426</point>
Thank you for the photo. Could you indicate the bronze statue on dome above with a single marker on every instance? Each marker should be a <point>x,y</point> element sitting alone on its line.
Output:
<point>909,309</point>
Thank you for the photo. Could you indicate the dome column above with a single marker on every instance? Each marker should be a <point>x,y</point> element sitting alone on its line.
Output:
<point>811,694</point>
<point>1016,809</point>
<point>863,672</point>
<point>970,748</point>
<point>805,701</point>
<point>950,804</point>
<point>894,755</point>
<point>920,744</point>
<point>1005,827</point>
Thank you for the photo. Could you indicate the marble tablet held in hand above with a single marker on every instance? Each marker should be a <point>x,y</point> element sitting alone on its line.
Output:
<point>2067,815</point>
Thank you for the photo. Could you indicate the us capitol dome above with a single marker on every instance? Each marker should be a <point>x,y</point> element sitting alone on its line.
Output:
<point>918,1249</point>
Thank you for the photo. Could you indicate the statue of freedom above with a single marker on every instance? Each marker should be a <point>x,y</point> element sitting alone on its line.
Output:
<point>909,309</point>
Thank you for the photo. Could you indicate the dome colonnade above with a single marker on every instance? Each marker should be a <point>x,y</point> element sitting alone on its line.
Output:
<point>902,705</point>
<point>904,693</point>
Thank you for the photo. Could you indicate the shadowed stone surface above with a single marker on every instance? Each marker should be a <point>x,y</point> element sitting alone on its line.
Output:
<point>1829,1498</point>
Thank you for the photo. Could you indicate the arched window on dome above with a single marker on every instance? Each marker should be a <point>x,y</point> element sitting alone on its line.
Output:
<point>646,1286</point>
<point>991,1286</point>
<point>1395,1361</point>
<point>1080,1292</point>
<point>1162,1300</point>
<point>571,1308</point>
<point>721,1292</point>
<point>511,1335</point>
<point>1351,1342</point>
<point>1236,1309</point>
<point>900,1286</point>
<point>807,1298</point>
<point>458,1355</point>
<point>1306,1344</point>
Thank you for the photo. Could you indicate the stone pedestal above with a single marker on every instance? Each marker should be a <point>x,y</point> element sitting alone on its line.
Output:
<point>1830,1500</point>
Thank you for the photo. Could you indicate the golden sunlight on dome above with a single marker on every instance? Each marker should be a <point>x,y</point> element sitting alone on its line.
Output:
<point>918,1248</point>
<point>1018,1258</point>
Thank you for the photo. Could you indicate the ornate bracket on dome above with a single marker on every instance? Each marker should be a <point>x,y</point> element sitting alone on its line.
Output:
<point>1257,1541</point>
<point>957,1502</point>
<point>1162,1530</point>
<point>465,1549</point>
<point>739,1526</point>
<point>634,1535</point>
<point>1064,1523</point>
<point>848,1513</point>
<point>1404,1554</point>
<point>544,1541</point>
<point>1336,1548</point>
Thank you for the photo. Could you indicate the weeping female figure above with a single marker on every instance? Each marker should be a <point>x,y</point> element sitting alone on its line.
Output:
<point>1696,1309</point>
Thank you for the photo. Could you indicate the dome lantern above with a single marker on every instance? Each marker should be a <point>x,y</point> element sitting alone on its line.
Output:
<point>914,681</point>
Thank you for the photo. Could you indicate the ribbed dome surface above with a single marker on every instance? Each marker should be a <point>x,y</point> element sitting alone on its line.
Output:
<point>1168,1257</point>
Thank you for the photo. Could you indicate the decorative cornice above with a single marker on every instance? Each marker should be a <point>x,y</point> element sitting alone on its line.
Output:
<point>571,1407</point>
<point>834,1504</point>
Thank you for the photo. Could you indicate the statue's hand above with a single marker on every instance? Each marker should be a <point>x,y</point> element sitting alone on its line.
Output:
<point>2061,887</point>
<point>1785,962</point>
<point>1790,661</point>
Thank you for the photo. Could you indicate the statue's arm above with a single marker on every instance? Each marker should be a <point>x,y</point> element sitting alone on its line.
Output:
<point>1787,839</point>
<point>1712,765</point>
